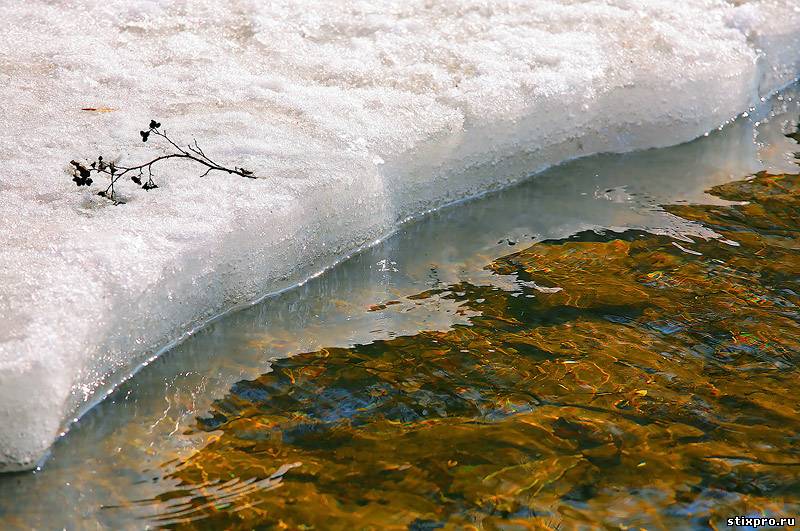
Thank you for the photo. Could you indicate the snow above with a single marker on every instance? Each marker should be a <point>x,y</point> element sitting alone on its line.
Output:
<point>355,116</point>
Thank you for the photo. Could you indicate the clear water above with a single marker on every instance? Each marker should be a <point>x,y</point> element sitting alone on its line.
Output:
<point>133,461</point>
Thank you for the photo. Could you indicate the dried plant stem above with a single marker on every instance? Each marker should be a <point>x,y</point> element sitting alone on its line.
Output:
<point>193,152</point>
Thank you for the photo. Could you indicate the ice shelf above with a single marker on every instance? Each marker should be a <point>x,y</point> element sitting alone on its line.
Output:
<point>355,115</point>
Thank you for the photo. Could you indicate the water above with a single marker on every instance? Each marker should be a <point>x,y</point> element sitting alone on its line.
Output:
<point>566,352</point>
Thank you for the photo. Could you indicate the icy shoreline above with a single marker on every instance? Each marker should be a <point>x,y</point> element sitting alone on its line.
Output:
<point>355,117</point>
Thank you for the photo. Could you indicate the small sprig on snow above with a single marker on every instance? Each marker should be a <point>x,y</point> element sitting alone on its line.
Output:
<point>82,173</point>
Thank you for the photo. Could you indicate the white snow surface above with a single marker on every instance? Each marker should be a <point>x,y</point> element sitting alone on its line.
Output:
<point>355,115</point>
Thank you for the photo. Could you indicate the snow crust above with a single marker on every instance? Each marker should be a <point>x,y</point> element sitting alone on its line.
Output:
<point>355,116</point>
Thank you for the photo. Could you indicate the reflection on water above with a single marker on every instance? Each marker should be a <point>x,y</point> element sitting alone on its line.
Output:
<point>627,364</point>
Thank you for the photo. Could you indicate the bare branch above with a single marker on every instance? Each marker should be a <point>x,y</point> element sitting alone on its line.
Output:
<point>82,174</point>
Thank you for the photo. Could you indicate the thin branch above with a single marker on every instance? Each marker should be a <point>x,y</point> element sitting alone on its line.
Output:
<point>82,174</point>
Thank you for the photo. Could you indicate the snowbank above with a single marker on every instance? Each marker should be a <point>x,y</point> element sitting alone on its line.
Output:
<point>355,114</point>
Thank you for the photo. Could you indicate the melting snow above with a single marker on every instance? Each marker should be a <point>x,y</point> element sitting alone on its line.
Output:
<point>354,114</point>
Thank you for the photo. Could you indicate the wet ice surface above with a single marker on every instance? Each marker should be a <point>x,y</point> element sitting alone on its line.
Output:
<point>120,450</point>
<point>394,108</point>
